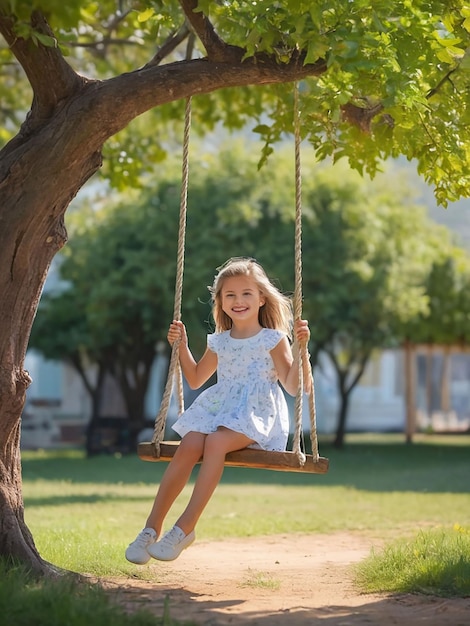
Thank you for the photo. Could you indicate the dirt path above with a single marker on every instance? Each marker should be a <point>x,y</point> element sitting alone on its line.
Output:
<point>275,581</point>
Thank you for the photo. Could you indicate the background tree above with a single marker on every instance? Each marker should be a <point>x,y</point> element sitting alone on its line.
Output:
<point>446,319</point>
<point>398,72</point>
<point>445,324</point>
<point>366,255</point>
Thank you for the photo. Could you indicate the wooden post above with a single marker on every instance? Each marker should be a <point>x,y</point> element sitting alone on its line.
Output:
<point>429,380</point>
<point>445,385</point>
<point>410,391</point>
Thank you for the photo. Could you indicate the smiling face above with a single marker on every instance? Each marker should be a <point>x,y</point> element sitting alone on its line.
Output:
<point>265,304</point>
<point>241,299</point>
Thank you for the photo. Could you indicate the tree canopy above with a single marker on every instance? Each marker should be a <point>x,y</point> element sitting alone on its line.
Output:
<point>379,80</point>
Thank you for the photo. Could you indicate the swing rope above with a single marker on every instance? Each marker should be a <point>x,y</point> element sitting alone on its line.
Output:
<point>303,355</point>
<point>174,369</point>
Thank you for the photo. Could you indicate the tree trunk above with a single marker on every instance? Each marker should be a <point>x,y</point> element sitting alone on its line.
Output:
<point>348,377</point>
<point>36,185</point>
<point>96,395</point>
<point>342,416</point>
<point>133,385</point>
<point>16,542</point>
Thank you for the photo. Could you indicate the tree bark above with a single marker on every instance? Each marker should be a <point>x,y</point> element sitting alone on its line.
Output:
<point>35,191</point>
<point>16,541</point>
<point>56,151</point>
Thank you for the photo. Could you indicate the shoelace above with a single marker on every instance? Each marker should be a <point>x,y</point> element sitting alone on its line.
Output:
<point>143,539</point>
<point>171,538</point>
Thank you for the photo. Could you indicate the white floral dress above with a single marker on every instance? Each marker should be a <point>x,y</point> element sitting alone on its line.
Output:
<point>247,397</point>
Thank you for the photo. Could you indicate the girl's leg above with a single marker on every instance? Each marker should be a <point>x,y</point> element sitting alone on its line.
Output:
<point>175,478</point>
<point>216,446</point>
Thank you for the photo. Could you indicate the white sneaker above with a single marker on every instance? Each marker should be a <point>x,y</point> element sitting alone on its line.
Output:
<point>171,544</point>
<point>137,551</point>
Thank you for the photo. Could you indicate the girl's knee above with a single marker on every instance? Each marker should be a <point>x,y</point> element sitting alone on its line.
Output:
<point>192,446</point>
<point>214,442</point>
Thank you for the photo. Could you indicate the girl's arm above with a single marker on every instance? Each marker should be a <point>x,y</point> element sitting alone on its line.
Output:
<point>196,373</point>
<point>287,364</point>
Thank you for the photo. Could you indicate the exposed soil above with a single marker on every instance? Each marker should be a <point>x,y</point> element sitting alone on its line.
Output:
<point>272,581</point>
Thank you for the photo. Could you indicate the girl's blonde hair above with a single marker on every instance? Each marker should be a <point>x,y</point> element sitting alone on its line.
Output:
<point>275,313</point>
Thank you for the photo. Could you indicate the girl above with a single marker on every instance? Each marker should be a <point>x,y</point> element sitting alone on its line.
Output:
<point>245,408</point>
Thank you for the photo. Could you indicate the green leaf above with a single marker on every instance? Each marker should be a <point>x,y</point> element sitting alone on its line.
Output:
<point>262,129</point>
<point>145,15</point>
<point>315,50</point>
<point>46,40</point>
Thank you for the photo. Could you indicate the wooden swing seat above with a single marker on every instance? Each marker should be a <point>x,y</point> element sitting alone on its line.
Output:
<point>248,457</point>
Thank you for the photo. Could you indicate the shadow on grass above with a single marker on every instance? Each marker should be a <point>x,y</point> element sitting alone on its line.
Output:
<point>428,466</point>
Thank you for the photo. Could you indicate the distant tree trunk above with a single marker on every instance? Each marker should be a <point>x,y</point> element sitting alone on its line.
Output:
<point>429,381</point>
<point>446,403</point>
<point>410,391</point>
<point>96,395</point>
<point>348,378</point>
<point>133,384</point>
<point>94,387</point>
<point>342,417</point>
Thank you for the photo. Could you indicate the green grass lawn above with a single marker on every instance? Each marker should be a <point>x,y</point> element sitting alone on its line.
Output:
<point>84,512</point>
<point>435,562</point>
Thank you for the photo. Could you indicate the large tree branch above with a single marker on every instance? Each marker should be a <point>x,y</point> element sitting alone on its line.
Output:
<point>121,99</point>
<point>45,62</point>
<point>103,108</point>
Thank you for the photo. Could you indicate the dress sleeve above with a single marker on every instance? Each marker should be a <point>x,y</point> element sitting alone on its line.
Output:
<point>212,342</point>
<point>273,337</point>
